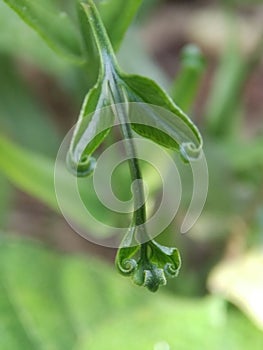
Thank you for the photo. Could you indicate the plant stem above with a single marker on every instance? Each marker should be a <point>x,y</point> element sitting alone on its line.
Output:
<point>100,35</point>
<point>136,175</point>
<point>109,72</point>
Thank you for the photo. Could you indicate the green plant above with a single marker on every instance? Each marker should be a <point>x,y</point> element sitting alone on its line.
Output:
<point>116,90</point>
<point>50,300</point>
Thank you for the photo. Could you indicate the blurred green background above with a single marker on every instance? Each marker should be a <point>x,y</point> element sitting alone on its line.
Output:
<point>58,290</point>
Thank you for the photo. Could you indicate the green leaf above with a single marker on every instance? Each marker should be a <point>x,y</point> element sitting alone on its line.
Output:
<point>171,126</point>
<point>88,43</point>
<point>168,126</point>
<point>167,258</point>
<point>54,26</point>
<point>18,40</point>
<point>57,302</point>
<point>94,123</point>
<point>125,261</point>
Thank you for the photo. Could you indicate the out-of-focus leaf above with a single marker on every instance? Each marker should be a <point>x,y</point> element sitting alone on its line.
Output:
<point>146,8</point>
<point>88,44</point>
<point>55,302</point>
<point>187,81</point>
<point>244,155</point>
<point>241,281</point>
<point>117,15</point>
<point>224,100</point>
<point>18,40</point>
<point>60,32</point>
<point>29,171</point>
<point>20,114</point>
<point>223,107</point>
<point>54,26</point>
<point>29,278</point>
<point>204,323</point>
<point>134,58</point>
<point>34,174</point>
<point>6,193</point>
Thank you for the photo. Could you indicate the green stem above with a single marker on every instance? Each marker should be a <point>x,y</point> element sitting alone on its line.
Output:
<point>101,37</point>
<point>144,250</point>
<point>110,73</point>
<point>136,175</point>
<point>110,69</point>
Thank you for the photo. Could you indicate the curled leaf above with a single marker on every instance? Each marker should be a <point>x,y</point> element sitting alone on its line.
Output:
<point>167,258</point>
<point>94,124</point>
<point>167,125</point>
<point>125,261</point>
<point>151,268</point>
<point>83,168</point>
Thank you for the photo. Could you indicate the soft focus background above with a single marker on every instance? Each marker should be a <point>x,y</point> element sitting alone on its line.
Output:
<point>58,290</point>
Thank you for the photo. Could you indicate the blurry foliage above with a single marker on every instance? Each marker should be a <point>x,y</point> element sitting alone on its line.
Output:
<point>44,294</point>
<point>60,302</point>
<point>24,120</point>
